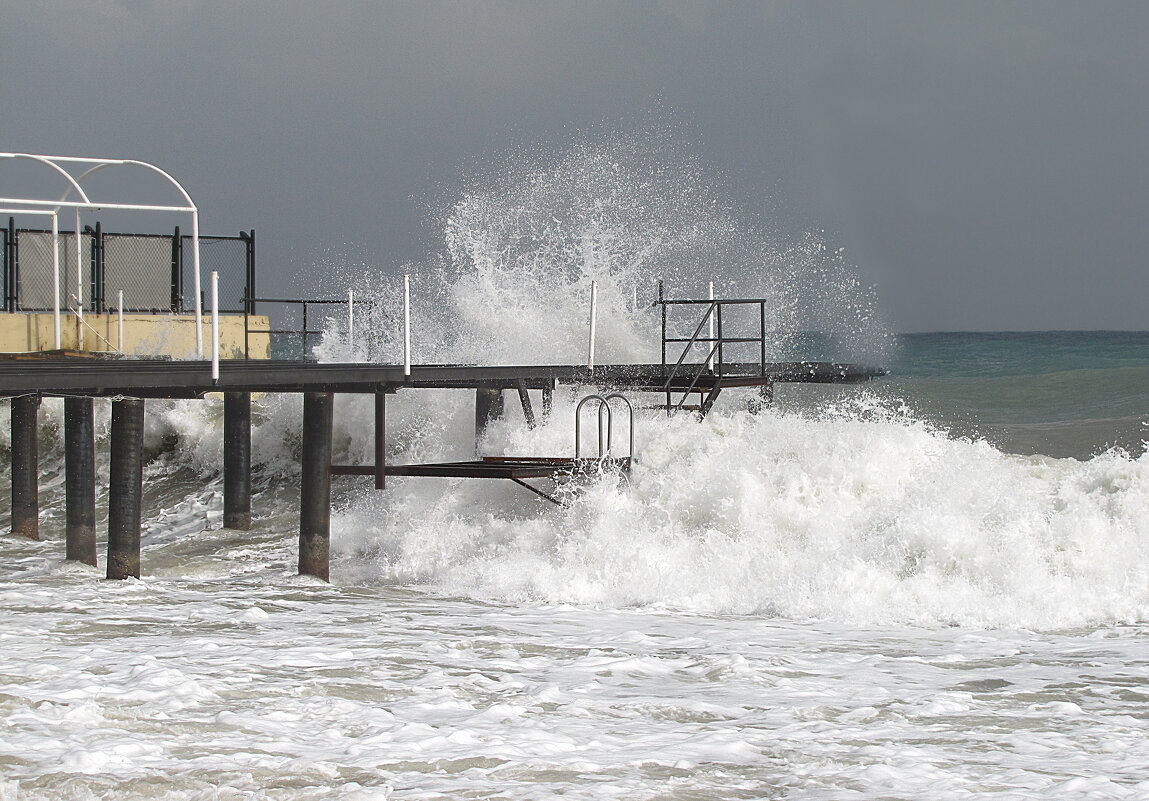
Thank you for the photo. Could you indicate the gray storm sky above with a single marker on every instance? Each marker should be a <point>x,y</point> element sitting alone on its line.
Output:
<point>986,165</point>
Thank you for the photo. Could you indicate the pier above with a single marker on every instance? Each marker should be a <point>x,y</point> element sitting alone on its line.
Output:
<point>129,382</point>
<point>57,351</point>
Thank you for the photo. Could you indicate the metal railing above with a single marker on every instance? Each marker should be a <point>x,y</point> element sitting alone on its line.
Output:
<point>303,332</point>
<point>714,361</point>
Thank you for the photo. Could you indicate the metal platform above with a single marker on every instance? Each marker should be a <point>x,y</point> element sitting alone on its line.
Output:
<point>513,468</point>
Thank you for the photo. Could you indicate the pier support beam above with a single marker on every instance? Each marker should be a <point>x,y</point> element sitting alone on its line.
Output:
<point>237,460</point>
<point>25,467</point>
<point>80,481</point>
<point>488,407</point>
<point>380,441</point>
<point>125,488</point>
<point>315,487</point>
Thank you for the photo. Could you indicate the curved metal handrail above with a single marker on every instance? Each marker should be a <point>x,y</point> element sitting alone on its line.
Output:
<point>630,412</point>
<point>603,404</point>
<point>603,407</point>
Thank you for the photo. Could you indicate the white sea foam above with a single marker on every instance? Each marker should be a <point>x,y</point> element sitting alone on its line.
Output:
<point>853,515</point>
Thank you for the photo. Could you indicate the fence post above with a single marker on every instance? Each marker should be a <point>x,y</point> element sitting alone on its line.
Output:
<point>250,240</point>
<point>99,302</point>
<point>10,266</point>
<point>177,273</point>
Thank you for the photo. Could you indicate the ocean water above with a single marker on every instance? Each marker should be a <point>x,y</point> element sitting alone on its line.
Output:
<point>932,586</point>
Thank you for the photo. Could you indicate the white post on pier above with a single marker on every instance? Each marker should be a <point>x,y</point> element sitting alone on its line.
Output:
<point>350,318</point>
<point>79,286</point>
<point>56,277</point>
<point>214,325</point>
<point>710,359</point>
<point>593,322</point>
<point>120,321</point>
<point>198,291</point>
<point>407,325</point>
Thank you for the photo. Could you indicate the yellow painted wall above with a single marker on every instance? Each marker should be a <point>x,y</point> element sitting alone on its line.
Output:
<point>144,334</point>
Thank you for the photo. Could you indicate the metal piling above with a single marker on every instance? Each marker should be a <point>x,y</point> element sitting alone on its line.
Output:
<point>25,467</point>
<point>237,460</point>
<point>80,481</point>
<point>315,486</point>
<point>125,488</point>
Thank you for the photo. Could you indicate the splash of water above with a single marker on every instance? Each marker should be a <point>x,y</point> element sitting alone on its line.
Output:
<point>625,210</point>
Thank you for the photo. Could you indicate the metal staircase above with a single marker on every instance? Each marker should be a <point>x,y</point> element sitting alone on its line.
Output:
<point>686,377</point>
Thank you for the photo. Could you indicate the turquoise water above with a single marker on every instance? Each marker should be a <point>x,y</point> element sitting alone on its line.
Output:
<point>1058,393</point>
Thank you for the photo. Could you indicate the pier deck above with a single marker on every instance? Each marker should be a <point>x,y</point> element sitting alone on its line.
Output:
<point>159,378</point>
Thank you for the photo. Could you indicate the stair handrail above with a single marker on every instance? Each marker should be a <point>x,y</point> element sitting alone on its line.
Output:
<point>718,341</point>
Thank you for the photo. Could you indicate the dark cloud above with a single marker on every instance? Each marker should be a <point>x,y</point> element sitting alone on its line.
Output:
<point>986,164</point>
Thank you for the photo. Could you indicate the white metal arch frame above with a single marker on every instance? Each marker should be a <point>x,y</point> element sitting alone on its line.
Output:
<point>52,207</point>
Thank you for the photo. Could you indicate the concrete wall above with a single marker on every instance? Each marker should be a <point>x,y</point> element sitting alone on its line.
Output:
<point>144,334</point>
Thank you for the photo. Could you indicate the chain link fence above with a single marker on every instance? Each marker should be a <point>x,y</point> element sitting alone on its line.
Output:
<point>228,256</point>
<point>155,272</point>
<point>33,270</point>
<point>140,267</point>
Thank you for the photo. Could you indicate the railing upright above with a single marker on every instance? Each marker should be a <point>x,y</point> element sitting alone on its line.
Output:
<point>304,329</point>
<point>718,367</point>
<point>662,303</point>
<point>762,333</point>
